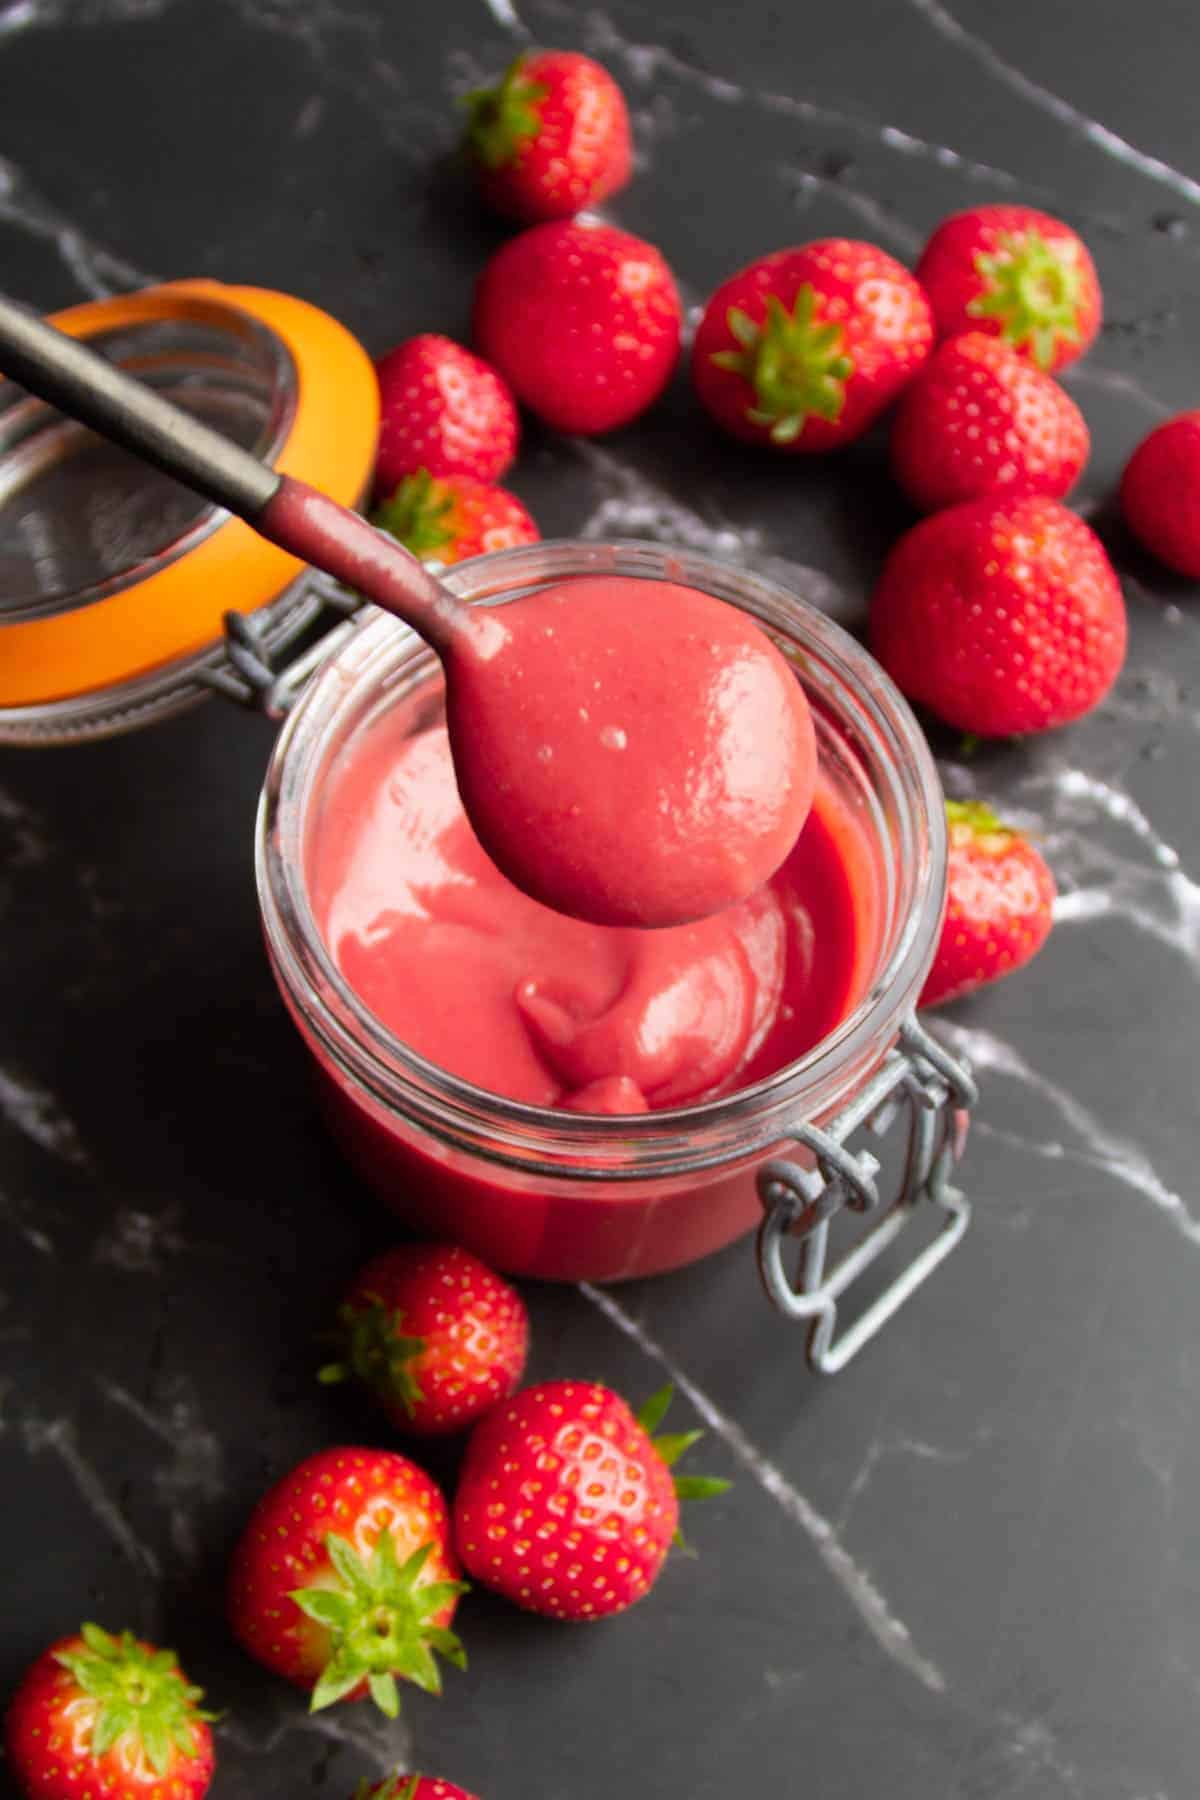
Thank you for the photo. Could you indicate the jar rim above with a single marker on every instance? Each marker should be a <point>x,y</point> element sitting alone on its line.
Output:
<point>533,1138</point>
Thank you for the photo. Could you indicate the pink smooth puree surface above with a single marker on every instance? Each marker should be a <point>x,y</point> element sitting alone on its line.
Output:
<point>528,1003</point>
<point>631,752</point>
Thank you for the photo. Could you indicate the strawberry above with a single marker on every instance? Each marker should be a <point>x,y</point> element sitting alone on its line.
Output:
<point>345,1578</point>
<point>551,138</point>
<point>1000,616</point>
<point>803,348</point>
<point>411,1787</point>
<point>107,1716</point>
<point>567,1505</point>
<point>1160,492</point>
<point>1018,274</point>
<point>999,904</point>
<point>448,520</point>
<point>583,322</point>
<point>441,408</point>
<point>434,1334</point>
<point>981,420</point>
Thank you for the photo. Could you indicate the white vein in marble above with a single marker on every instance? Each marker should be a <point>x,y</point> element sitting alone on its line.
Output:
<point>646,63</point>
<point>1110,142</point>
<point>806,186</point>
<point>192,1470</point>
<point>25,841</point>
<point>97,271</point>
<point>1115,381</point>
<point>32,15</point>
<point>57,1437</point>
<point>385,1744</point>
<point>1095,1145</point>
<point>38,1115</point>
<point>137,1241</point>
<point>890,1633</point>
<point>506,16</point>
<point>16,1214</point>
<point>632,506</point>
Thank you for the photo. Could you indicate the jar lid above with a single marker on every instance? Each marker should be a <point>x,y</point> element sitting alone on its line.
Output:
<point>113,577</point>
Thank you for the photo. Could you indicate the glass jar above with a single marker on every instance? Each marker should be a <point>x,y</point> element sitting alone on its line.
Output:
<point>568,1196</point>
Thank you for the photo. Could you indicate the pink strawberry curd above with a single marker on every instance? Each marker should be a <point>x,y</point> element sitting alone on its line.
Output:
<point>633,753</point>
<point>523,1002</point>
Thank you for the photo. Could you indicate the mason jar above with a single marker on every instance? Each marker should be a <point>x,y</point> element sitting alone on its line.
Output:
<point>565,1196</point>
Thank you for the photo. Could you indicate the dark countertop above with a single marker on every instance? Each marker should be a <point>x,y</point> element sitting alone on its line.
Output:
<point>969,1566</point>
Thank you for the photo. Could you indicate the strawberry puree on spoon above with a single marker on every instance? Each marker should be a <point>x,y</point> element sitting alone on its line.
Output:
<point>632,752</point>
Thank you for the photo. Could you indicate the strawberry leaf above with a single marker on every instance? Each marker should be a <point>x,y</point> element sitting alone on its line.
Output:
<point>651,1415</point>
<point>674,1445</point>
<point>380,1622</point>
<point>375,1350</point>
<point>701,1487</point>
<point>141,1697</point>
<point>385,1694</point>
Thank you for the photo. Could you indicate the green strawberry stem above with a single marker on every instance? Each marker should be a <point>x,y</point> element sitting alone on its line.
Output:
<point>139,1693</point>
<point>391,1790</point>
<point>418,514</point>
<point>1032,290</point>
<point>379,1620</point>
<point>504,117</point>
<point>794,363</point>
<point>977,817</point>
<point>671,1446</point>
<point>375,1351</point>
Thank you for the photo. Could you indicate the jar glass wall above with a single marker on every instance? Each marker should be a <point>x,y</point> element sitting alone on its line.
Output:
<point>563,1195</point>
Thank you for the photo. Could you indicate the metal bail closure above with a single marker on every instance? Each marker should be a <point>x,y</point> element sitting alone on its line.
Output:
<point>918,1078</point>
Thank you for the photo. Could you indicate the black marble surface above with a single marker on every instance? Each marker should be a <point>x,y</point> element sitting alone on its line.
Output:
<point>970,1566</point>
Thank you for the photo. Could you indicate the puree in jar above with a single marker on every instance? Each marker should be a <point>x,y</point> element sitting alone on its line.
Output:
<point>527,1003</point>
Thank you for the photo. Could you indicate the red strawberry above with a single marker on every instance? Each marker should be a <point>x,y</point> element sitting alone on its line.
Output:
<point>1000,616</point>
<point>803,348</point>
<point>1160,492</point>
<point>551,138</point>
<point>999,904</point>
<point>437,1337</point>
<point>567,1505</point>
<point>345,1578</point>
<point>981,420</point>
<point>411,1787</point>
<point>108,1716</point>
<point>1018,274</point>
<point>441,408</point>
<point>449,520</point>
<point>582,321</point>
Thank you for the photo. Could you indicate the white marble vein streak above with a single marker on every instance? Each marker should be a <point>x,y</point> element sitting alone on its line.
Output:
<point>37,1115</point>
<point>1115,381</point>
<point>630,506</point>
<point>29,15</point>
<point>192,1471</point>
<point>1155,895</point>
<point>58,1437</point>
<point>385,1744</point>
<point>1110,142</point>
<point>1096,1146</point>
<point>505,15</point>
<point>889,1632</point>
<point>647,63</point>
<point>97,271</point>
<point>882,223</point>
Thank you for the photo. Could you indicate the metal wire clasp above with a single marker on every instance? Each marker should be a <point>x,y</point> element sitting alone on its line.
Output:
<point>251,675</point>
<point>920,1078</point>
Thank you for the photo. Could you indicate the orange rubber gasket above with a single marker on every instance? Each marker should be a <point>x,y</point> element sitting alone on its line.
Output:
<point>177,610</point>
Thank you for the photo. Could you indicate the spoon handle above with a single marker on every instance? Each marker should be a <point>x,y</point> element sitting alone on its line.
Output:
<point>83,385</point>
<point>308,524</point>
